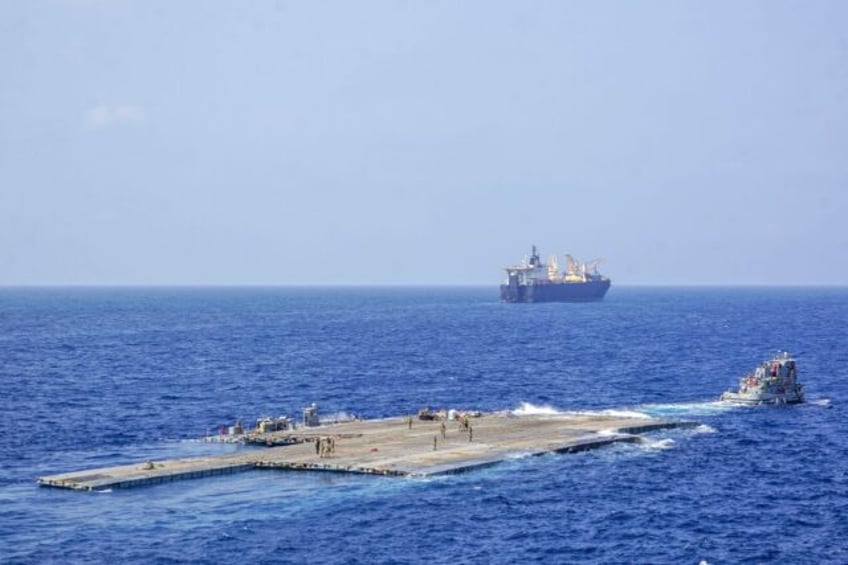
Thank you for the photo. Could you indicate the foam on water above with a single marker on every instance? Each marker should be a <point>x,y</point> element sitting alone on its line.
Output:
<point>686,409</point>
<point>823,402</point>
<point>704,429</point>
<point>645,411</point>
<point>528,409</point>
<point>656,444</point>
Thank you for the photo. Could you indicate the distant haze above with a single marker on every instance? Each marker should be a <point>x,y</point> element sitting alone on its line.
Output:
<point>422,142</point>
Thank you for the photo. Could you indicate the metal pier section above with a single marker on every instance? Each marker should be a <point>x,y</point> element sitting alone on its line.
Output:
<point>387,447</point>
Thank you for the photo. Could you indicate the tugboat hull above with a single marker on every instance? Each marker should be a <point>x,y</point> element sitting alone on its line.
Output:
<point>756,399</point>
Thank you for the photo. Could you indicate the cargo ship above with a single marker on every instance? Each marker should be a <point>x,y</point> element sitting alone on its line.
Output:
<point>534,281</point>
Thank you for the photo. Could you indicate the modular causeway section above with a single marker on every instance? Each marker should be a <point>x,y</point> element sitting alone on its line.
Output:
<point>400,446</point>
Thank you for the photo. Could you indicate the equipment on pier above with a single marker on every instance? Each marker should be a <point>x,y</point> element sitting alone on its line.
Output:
<point>310,416</point>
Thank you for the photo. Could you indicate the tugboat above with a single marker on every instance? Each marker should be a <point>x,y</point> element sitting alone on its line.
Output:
<point>773,382</point>
<point>535,281</point>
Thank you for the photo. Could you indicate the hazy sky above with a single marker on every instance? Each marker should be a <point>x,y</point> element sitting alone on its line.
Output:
<point>266,142</point>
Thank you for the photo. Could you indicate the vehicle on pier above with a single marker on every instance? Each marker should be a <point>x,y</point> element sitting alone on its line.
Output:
<point>773,382</point>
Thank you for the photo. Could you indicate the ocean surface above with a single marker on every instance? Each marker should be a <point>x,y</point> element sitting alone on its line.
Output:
<point>94,377</point>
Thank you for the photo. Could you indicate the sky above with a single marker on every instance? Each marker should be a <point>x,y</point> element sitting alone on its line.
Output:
<point>391,142</point>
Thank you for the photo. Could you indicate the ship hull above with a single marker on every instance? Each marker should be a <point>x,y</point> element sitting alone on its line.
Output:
<point>590,291</point>
<point>757,399</point>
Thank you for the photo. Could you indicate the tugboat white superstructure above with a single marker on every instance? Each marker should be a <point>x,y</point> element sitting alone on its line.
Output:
<point>773,382</point>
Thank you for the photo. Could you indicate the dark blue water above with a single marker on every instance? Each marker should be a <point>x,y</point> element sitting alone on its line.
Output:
<point>96,377</point>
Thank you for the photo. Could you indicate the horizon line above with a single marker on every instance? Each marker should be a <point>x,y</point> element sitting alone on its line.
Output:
<point>387,285</point>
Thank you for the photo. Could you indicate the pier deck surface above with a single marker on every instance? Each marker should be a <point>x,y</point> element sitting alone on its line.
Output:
<point>388,447</point>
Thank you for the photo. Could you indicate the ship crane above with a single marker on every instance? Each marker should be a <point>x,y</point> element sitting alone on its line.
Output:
<point>592,266</point>
<point>553,269</point>
<point>572,271</point>
<point>572,267</point>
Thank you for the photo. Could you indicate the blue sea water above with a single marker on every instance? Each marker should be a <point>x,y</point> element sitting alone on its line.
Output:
<point>94,377</point>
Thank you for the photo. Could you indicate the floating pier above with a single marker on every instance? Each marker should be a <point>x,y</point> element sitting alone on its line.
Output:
<point>395,446</point>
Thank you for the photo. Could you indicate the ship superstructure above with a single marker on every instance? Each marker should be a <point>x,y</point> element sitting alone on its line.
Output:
<point>535,281</point>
